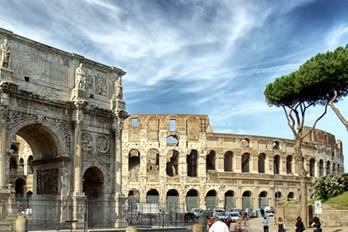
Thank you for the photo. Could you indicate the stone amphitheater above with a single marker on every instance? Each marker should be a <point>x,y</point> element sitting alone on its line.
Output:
<point>178,160</point>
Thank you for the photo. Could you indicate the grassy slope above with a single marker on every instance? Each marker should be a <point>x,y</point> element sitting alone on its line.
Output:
<point>339,202</point>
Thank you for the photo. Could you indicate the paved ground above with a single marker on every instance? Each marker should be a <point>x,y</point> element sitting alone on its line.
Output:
<point>255,225</point>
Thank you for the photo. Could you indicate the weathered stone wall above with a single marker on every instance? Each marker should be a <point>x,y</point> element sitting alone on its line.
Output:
<point>145,133</point>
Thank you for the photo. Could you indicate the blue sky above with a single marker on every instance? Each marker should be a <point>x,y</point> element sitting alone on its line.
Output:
<point>197,57</point>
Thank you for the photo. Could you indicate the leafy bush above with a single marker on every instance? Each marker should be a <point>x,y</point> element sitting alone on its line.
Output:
<point>329,186</point>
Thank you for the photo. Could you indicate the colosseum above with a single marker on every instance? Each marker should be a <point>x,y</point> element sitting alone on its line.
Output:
<point>178,160</point>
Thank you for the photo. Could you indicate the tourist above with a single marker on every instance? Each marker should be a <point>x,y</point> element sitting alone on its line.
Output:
<point>240,226</point>
<point>299,227</point>
<point>219,226</point>
<point>228,222</point>
<point>265,223</point>
<point>210,221</point>
<point>316,225</point>
<point>281,225</point>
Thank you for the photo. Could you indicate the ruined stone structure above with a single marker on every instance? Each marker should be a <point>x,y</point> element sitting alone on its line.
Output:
<point>177,160</point>
<point>70,111</point>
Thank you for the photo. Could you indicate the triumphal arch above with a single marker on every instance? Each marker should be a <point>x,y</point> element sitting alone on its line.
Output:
<point>70,111</point>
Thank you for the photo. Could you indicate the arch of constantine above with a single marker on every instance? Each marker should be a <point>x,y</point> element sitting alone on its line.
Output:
<point>69,111</point>
<point>178,159</point>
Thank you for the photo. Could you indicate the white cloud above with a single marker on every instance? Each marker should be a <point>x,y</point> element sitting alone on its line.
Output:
<point>337,36</point>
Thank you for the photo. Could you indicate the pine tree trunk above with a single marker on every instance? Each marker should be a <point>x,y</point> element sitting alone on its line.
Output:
<point>339,115</point>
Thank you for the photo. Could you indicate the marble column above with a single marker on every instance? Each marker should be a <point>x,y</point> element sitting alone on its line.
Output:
<point>3,137</point>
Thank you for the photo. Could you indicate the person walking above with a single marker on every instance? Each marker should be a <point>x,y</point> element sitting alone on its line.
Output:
<point>265,223</point>
<point>281,225</point>
<point>299,226</point>
<point>316,225</point>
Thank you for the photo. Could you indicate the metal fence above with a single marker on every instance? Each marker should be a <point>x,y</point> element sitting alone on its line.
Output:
<point>56,214</point>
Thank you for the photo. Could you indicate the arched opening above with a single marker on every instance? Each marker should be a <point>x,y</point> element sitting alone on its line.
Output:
<point>172,163</point>
<point>172,200</point>
<point>133,199</point>
<point>261,163</point>
<point>29,194</point>
<point>333,169</point>
<point>321,167</point>
<point>21,164</point>
<point>13,164</point>
<point>276,164</point>
<point>230,202</point>
<point>133,164</point>
<point>228,161</point>
<point>210,160</point>
<point>246,200</point>
<point>311,167</point>
<point>263,200</point>
<point>291,196</point>
<point>93,187</point>
<point>245,162</point>
<point>211,199</point>
<point>172,140</point>
<point>152,196</point>
<point>191,161</point>
<point>278,196</point>
<point>20,188</point>
<point>93,183</point>
<point>153,162</point>
<point>30,164</point>
<point>289,164</point>
<point>192,200</point>
<point>328,168</point>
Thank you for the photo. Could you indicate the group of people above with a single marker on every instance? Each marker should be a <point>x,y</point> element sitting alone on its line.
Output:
<point>219,225</point>
<point>299,226</point>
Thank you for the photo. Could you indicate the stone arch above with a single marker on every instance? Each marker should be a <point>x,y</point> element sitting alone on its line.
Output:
<point>289,164</point>
<point>211,199</point>
<point>20,187</point>
<point>172,165</point>
<point>261,163</point>
<point>30,164</point>
<point>230,200</point>
<point>13,164</point>
<point>312,167</point>
<point>172,200</point>
<point>133,198</point>
<point>291,196</point>
<point>153,161</point>
<point>263,199</point>
<point>228,161</point>
<point>133,159</point>
<point>328,168</point>
<point>278,196</point>
<point>192,199</point>
<point>210,160</point>
<point>152,196</point>
<point>245,164</point>
<point>192,163</point>
<point>276,164</point>
<point>247,199</point>
<point>93,183</point>
<point>321,167</point>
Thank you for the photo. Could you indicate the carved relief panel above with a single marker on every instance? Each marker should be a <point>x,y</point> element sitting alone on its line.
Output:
<point>47,181</point>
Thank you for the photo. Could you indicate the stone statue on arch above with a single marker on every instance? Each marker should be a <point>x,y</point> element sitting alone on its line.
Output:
<point>5,54</point>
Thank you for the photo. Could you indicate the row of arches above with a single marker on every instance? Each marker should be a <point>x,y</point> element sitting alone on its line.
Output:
<point>192,198</point>
<point>172,163</point>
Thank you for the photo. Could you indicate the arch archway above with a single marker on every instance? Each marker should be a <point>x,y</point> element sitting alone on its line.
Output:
<point>20,188</point>
<point>278,196</point>
<point>172,200</point>
<point>133,198</point>
<point>192,199</point>
<point>261,163</point>
<point>246,200</point>
<point>263,200</point>
<point>230,201</point>
<point>291,196</point>
<point>152,196</point>
<point>245,162</point>
<point>211,199</point>
<point>93,187</point>
<point>192,163</point>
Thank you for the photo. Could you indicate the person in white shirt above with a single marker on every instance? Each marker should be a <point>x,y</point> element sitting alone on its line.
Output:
<point>265,224</point>
<point>219,226</point>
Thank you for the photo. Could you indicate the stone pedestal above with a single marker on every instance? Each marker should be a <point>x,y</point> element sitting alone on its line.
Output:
<point>120,220</point>
<point>6,74</point>
<point>78,94</point>
<point>79,208</point>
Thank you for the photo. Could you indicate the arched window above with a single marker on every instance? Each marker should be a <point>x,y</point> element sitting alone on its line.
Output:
<point>333,169</point>
<point>191,161</point>
<point>261,163</point>
<point>263,200</point>
<point>291,196</point>
<point>210,160</point>
<point>153,161</point>
<point>172,163</point>
<point>30,164</point>
<point>246,200</point>
<point>245,162</point>
<point>289,164</point>
<point>172,201</point>
<point>133,159</point>
<point>321,167</point>
<point>172,140</point>
<point>276,164</point>
<point>328,168</point>
<point>278,196</point>
<point>311,167</point>
<point>152,196</point>
<point>192,199</point>
<point>13,163</point>
<point>229,200</point>
<point>228,161</point>
<point>211,199</point>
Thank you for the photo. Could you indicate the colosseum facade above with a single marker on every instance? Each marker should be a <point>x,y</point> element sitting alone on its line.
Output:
<point>177,160</point>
